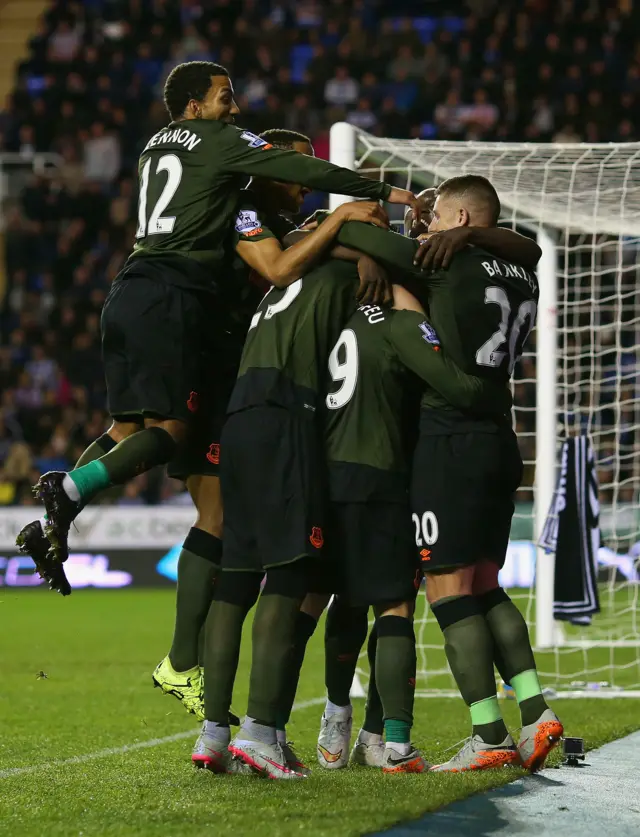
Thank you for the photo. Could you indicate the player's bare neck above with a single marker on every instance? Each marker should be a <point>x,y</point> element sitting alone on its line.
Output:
<point>403,300</point>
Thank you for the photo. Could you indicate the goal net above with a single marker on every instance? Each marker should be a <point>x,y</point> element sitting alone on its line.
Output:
<point>580,375</point>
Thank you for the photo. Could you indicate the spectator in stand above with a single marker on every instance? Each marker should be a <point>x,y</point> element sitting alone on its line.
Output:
<point>63,43</point>
<point>41,369</point>
<point>449,117</point>
<point>480,117</point>
<point>363,116</point>
<point>101,154</point>
<point>341,90</point>
<point>542,118</point>
<point>406,64</point>
<point>567,133</point>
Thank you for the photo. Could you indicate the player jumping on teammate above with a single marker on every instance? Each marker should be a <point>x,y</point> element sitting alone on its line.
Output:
<point>167,298</point>
<point>258,248</point>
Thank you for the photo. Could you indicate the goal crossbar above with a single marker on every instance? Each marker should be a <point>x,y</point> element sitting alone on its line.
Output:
<point>535,181</point>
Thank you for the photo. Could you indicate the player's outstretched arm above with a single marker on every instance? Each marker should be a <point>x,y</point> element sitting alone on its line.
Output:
<point>417,346</point>
<point>438,249</point>
<point>392,250</point>
<point>245,153</point>
<point>281,266</point>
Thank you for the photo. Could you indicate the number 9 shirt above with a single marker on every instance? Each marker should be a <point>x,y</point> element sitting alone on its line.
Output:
<point>272,465</point>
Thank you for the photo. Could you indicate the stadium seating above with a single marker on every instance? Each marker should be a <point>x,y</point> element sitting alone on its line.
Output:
<point>89,91</point>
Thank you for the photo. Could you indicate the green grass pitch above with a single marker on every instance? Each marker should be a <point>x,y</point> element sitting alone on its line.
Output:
<point>98,649</point>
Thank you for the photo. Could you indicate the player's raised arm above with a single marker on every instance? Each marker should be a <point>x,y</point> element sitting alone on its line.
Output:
<point>258,247</point>
<point>385,246</point>
<point>246,153</point>
<point>417,346</point>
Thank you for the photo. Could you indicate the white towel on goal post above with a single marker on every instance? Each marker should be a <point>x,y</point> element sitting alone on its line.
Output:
<point>572,531</point>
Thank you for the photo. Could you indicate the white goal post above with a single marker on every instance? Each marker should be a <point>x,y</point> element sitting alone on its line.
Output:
<point>582,373</point>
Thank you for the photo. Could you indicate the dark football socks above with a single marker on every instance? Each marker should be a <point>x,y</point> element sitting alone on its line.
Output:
<point>274,626</point>
<point>373,714</point>
<point>396,676</point>
<point>96,449</point>
<point>197,568</point>
<point>469,649</point>
<point>235,594</point>
<point>513,648</point>
<point>134,455</point>
<point>345,632</point>
<point>304,628</point>
<point>223,635</point>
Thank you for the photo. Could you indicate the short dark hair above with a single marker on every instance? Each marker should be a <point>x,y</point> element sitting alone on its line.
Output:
<point>281,138</point>
<point>478,189</point>
<point>191,80</point>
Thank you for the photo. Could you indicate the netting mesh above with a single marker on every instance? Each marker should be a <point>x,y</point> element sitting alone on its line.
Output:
<point>588,197</point>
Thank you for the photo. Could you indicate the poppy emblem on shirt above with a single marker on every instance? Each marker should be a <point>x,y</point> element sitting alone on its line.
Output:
<point>193,402</point>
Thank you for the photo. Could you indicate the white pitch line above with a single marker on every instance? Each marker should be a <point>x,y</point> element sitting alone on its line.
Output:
<point>125,748</point>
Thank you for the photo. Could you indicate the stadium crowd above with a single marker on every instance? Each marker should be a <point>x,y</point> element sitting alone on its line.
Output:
<point>90,92</point>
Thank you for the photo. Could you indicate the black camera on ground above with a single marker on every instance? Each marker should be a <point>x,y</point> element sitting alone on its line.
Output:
<point>573,749</point>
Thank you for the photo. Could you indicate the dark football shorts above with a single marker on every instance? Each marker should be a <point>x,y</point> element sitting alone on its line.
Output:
<point>272,484</point>
<point>156,348</point>
<point>462,497</point>
<point>371,553</point>
<point>199,454</point>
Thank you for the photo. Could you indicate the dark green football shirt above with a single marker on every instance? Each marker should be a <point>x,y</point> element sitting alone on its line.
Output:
<point>245,288</point>
<point>377,369</point>
<point>482,308</point>
<point>291,334</point>
<point>191,173</point>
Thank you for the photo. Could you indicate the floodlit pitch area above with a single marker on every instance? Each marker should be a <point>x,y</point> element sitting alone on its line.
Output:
<point>90,735</point>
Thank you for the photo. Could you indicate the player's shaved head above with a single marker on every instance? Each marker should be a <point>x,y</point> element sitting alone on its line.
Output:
<point>282,138</point>
<point>466,200</point>
<point>190,85</point>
